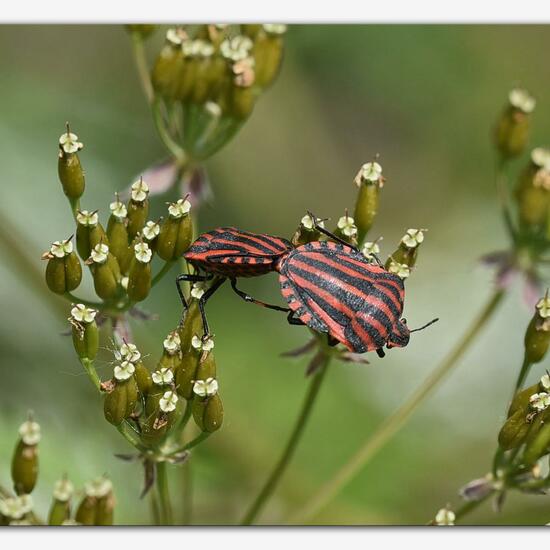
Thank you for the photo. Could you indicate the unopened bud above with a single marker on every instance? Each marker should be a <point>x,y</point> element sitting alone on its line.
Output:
<point>307,231</point>
<point>24,465</point>
<point>208,412</point>
<point>121,401</point>
<point>369,180</point>
<point>63,271</point>
<point>401,270</point>
<point>15,508</point>
<point>138,207</point>
<point>346,229</point>
<point>176,231</point>
<point>60,509</point>
<point>117,231</point>
<point>89,233</point>
<point>143,378</point>
<point>69,168</point>
<point>268,53</point>
<point>105,271</point>
<point>84,331</point>
<point>537,336</point>
<point>139,276</point>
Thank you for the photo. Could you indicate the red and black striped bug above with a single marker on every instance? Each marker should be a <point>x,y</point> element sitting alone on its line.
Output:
<point>228,253</point>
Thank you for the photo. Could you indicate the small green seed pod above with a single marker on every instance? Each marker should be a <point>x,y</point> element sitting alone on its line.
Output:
<point>150,234</point>
<point>95,491</point>
<point>521,400</point>
<point>207,407</point>
<point>86,511</point>
<point>514,430</point>
<point>60,509</point>
<point>537,336</point>
<point>105,271</point>
<point>121,402</point>
<point>89,233</point>
<point>84,331</point>
<point>512,129</point>
<point>186,374</point>
<point>63,271</point>
<point>105,510</point>
<point>69,168</point>
<point>346,229</point>
<point>171,354</point>
<point>192,323</point>
<point>537,441</point>
<point>160,409</point>
<point>139,276</point>
<point>165,73</point>
<point>176,231</point>
<point>143,378</point>
<point>407,251</point>
<point>138,208</point>
<point>369,181</point>
<point>268,53</point>
<point>307,232</point>
<point>117,233</point>
<point>24,465</point>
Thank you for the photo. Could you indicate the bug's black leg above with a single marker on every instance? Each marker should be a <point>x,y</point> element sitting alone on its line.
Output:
<point>380,352</point>
<point>332,341</point>
<point>294,320</point>
<point>331,235</point>
<point>191,278</point>
<point>247,298</point>
<point>202,301</point>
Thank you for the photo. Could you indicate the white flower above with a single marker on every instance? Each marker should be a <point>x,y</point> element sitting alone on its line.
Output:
<point>308,223</point>
<point>545,382</point>
<point>445,517</point>
<point>539,401</point>
<point>401,270</point>
<point>63,490</point>
<point>83,314</point>
<point>100,253</point>
<point>274,28</point>
<point>205,388</point>
<point>140,190</point>
<point>124,370</point>
<point>179,208</point>
<point>412,238</point>
<point>371,171</point>
<point>30,432</point>
<point>540,156</point>
<point>16,507</point>
<point>163,377</point>
<point>202,48</point>
<point>69,142</point>
<point>172,343</point>
<point>213,109</point>
<point>118,209</point>
<point>143,253</point>
<point>168,401</point>
<point>521,99</point>
<point>236,48</point>
<point>151,230</point>
<point>84,217</point>
<point>129,352</point>
<point>174,36</point>
<point>197,290</point>
<point>370,249</point>
<point>124,282</point>
<point>98,488</point>
<point>346,224</point>
<point>60,249</point>
<point>199,344</point>
<point>543,307</point>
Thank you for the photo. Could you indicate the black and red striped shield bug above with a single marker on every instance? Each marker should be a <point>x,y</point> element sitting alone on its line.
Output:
<point>228,253</point>
<point>331,287</point>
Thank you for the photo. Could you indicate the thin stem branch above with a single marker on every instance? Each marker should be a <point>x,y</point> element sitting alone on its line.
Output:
<point>471,505</point>
<point>398,419</point>
<point>155,510</point>
<point>522,374</point>
<point>91,372</point>
<point>288,452</point>
<point>141,65</point>
<point>187,476</point>
<point>164,494</point>
<point>175,148</point>
<point>76,300</point>
<point>504,196</point>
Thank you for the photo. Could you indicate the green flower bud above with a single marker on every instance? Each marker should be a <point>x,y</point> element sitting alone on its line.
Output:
<point>171,355</point>
<point>514,430</point>
<point>192,323</point>
<point>139,276</point>
<point>143,378</point>
<point>105,509</point>
<point>69,169</point>
<point>169,63</point>
<point>370,249</point>
<point>512,129</point>
<point>150,234</point>
<point>268,53</point>
<point>144,31</point>
<point>84,331</point>
<point>369,180</point>
<point>121,401</point>
<point>89,233</point>
<point>346,229</point>
<point>60,509</point>
<point>207,407</point>
<point>24,465</point>
<point>186,373</point>
<point>307,231</point>
<point>240,93</point>
<point>63,270</point>
<point>86,511</point>
<point>176,231</point>
<point>407,251</point>
<point>90,511</point>
<point>537,440</point>
<point>15,508</point>
<point>105,271</point>
<point>401,270</point>
<point>537,336</point>
<point>160,413</point>
<point>117,233</point>
<point>204,72</point>
<point>138,207</point>
<point>521,400</point>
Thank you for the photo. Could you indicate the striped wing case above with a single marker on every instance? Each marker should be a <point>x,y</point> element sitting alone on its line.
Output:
<point>334,289</point>
<point>230,252</point>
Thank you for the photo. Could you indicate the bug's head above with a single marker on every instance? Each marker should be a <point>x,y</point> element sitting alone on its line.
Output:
<point>401,333</point>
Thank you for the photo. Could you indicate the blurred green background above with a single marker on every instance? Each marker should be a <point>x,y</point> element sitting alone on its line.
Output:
<point>424,98</point>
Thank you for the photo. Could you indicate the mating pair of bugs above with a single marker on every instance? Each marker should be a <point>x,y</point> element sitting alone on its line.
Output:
<point>330,286</point>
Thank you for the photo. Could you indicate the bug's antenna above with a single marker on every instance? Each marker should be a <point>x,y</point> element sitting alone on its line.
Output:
<point>426,325</point>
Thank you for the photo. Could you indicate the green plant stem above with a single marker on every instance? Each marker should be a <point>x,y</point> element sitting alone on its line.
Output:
<point>194,442</point>
<point>75,206</point>
<point>525,367</point>
<point>164,494</point>
<point>398,419</point>
<point>471,505</point>
<point>503,193</point>
<point>131,435</point>
<point>175,149</point>
<point>165,269</point>
<point>141,65</point>
<point>92,373</point>
<point>155,511</point>
<point>288,452</point>
<point>187,476</point>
